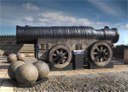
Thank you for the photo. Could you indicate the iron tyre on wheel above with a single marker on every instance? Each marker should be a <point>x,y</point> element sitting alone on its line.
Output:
<point>101,53</point>
<point>60,56</point>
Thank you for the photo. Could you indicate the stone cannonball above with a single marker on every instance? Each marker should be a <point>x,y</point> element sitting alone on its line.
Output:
<point>43,69</point>
<point>12,58</point>
<point>12,68</point>
<point>20,56</point>
<point>26,74</point>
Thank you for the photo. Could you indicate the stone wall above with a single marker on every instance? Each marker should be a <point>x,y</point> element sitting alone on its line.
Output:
<point>118,51</point>
<point>8,45</point>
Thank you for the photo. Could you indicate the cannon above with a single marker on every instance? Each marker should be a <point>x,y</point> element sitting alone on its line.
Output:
<point>57,44</point>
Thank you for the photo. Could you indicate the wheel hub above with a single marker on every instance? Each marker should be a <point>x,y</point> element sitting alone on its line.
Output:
<point>59,56</point>
<point>101,54</point>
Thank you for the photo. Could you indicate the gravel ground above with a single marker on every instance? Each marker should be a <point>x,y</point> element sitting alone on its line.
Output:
<point>89,82</point>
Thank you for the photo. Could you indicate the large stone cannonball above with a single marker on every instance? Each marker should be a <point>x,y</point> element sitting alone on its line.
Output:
<point>11,58</point>
<point>12,68</point>
<point>43,69</point>
<point>21,56</point>
<point>26,74</point>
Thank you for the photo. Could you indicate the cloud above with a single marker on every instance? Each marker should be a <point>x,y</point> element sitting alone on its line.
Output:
<point>49,18</point>
<point>59,18</point>
<point>126,26</point>
<point>106,7</point>
<point>123,26</point>
<point>28,19</point>
<point>30,6</point>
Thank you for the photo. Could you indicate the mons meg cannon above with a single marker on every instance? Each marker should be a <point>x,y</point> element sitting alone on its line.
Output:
<point>64,45</point>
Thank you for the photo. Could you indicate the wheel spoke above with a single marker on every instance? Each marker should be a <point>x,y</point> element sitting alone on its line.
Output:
<point>63,61</point>
<point>57,51</point>
<point>61,51</point>
<point>101,60</point>
<point>64,57</point>
<point>105,49</point>
<point>97,49</point>
<point>54,54</point>
<point>97,58</point>
<point>101,48</point>
<point>95,53</point>
<point>64,53</point>
<point>106,53</point>
<point>105,58</point>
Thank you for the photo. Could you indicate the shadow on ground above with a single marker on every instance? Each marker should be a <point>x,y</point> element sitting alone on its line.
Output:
<point>4,66</point>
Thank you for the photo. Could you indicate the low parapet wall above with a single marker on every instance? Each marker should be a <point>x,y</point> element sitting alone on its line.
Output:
<point>8,45</point>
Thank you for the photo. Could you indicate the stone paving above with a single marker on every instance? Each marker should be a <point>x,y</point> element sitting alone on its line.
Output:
<point>7,86</point>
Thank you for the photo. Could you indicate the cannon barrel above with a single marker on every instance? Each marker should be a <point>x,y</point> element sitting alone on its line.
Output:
<point>30,34</point>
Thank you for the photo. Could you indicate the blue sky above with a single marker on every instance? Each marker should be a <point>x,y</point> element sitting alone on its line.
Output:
<point>95,13</point>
